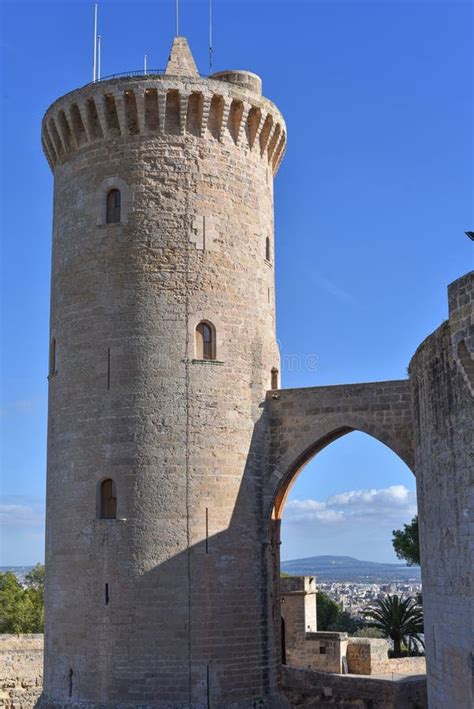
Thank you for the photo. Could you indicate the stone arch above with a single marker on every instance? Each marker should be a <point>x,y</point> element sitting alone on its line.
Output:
<point>312,444</point>
<point>304,421</point>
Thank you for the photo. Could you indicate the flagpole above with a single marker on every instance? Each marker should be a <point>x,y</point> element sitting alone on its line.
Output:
<point>94,64</point>
<point>210,36</point>
<point>99,38</point>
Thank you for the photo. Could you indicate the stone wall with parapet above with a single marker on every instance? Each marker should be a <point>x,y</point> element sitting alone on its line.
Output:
<point>158,105</point>
<point>366,655</point>
<point>309,688</point>
<point>21,670</point>
<point>369,656</point>
<point>323,651</point>
<point>21,680</point>
<point>400,666</point>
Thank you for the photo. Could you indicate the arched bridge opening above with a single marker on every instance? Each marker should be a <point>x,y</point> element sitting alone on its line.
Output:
<point>302,422</point>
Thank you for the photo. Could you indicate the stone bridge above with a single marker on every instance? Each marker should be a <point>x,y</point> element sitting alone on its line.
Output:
<point>303,421</point>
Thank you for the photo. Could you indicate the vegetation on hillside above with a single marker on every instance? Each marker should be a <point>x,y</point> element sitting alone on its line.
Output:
<point>22,606</point>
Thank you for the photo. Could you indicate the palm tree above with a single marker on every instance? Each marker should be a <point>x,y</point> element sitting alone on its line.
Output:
<point>398,618</point>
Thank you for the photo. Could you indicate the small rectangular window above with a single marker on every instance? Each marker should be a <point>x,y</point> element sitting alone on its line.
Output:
<point>52,357</point>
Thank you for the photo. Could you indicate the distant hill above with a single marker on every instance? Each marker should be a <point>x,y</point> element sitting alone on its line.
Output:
<point>346,568</point>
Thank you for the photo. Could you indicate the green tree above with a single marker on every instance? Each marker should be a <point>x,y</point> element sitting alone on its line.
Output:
<point>406,543</point>
<point>10,601</point>
<point>330,616</point>
<point>344,623</point>
<point>400,619</point>
<point>35,577</point>
<point>35,592</point>
<point>22,609</point>
<point>327,611</point>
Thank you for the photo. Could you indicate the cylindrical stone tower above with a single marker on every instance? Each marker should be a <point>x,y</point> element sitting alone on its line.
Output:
<point>162,348</point>
<point>442,380</point>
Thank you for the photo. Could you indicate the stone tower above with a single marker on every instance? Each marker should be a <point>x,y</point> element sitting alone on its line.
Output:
<point>162,348</point>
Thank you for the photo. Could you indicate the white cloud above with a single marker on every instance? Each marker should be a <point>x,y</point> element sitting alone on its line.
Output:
<point>22,406</point>
<point>21,530</point>
<point>21,515</point>
<point>394,502</point>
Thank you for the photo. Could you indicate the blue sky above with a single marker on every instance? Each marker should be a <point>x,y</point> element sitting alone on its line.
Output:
<point>372,202</point>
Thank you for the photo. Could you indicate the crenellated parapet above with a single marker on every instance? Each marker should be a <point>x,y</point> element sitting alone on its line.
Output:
<point>226,107</point>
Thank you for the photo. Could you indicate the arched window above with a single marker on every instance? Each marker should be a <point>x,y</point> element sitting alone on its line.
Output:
<point>268,253</point>
<point>52,357</point>
<point>108,499</point>
<point>205,341</point>
<point>113,207</point>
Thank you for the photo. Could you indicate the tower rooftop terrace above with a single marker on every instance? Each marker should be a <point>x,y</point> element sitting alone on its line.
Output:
<point>227,105</point>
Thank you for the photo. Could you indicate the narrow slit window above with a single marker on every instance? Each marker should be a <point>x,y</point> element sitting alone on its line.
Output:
<point>52,357</point>
<point>274,378</point>
<point>108,499</point>
<point>205,341</point>
<point>113,207</point>
<point>268,252</point>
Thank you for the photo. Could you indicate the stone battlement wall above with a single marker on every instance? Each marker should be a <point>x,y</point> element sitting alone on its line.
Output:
<point>21,680</point>
<point>311,688</point>
<point>21,670</point>
<point>164,105</point>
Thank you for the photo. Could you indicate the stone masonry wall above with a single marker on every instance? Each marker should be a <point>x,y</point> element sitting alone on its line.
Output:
<point>21,670</point>
<point>368,656</point>
<point>364,655</point>
<point>400,666</point>
<point>443,417</point>
<point>322,651</point>
<point>309,688</point>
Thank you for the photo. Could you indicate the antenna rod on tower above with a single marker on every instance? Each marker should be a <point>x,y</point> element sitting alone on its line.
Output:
<point>177,18</point>
<point>144,64</point>
<point>94,64</point>
<point>99,38</point>
<point>210,36</point>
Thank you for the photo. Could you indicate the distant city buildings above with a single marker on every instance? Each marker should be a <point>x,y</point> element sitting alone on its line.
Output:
<point>354,597</point>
